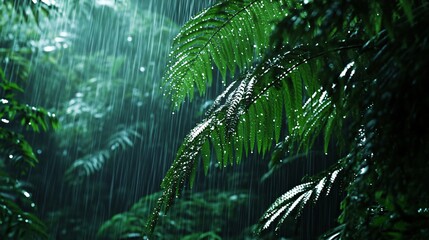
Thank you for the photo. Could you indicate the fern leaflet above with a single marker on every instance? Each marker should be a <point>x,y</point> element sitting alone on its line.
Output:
<point>293,201</point>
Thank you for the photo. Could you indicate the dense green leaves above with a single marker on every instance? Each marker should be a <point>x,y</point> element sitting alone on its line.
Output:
<point>17,156</point>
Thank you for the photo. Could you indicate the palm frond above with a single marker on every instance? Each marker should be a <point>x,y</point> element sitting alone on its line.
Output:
<point>290,204</point>
<point>211,37</point>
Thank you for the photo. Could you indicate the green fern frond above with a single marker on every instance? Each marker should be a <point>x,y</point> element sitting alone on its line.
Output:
<point>290,204</point>
<point>230,35</point>
<point>248,115</point>
<point>285,85</point>
<point>123,139</point>
<point>318,116</point>
<point>93,162</point>
<point>86,166</point>
<point>280,88</point>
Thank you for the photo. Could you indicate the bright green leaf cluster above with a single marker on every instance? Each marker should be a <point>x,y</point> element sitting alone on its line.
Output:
<point>229,35</point>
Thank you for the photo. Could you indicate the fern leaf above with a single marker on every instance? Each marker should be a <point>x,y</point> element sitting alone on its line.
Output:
<point>293,201</point>
<point>123,139</point>
<point>211,38</point>
<point>93,162</point>
<point>245,107</point>
<point>86,166</point>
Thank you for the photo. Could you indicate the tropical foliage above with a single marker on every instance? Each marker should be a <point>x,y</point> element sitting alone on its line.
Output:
<point>198,216</point>
<point>16,159</point>
<point>17,218</point>
<point>348,72</point>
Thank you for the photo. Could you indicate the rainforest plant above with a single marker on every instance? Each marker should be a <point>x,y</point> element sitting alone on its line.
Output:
<point>186,220</point>
<point>17,218</point>
<point>349,72</point>
<point>16,158</point>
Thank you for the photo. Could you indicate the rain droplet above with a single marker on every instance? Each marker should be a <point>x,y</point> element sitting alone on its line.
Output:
<point>49,48</point>
<point>26,194</point>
